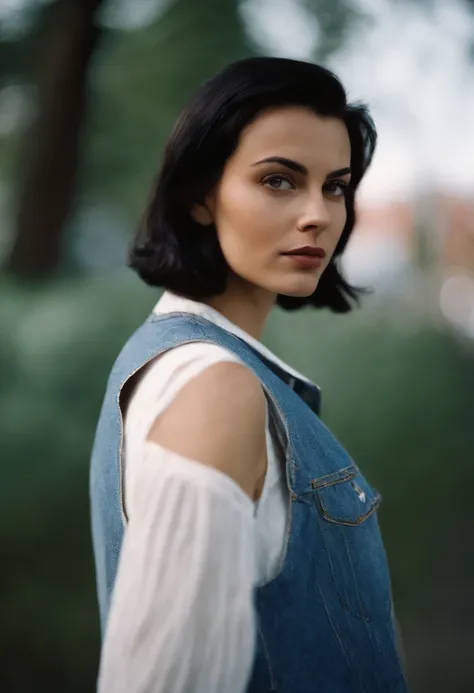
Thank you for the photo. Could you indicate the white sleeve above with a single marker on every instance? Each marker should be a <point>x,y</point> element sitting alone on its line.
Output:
<point>182,617</point>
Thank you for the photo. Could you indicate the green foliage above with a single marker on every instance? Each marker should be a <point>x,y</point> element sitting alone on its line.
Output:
<point>141,79</point>
<point>336,21</point>
<point>56,349</point>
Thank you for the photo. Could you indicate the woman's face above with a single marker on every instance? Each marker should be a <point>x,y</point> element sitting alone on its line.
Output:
<point>282,189</point>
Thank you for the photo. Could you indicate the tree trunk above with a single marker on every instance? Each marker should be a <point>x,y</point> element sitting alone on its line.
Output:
<point>51,157</point>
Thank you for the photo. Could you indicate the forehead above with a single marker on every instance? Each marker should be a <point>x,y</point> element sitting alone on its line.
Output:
<point>297,133</point>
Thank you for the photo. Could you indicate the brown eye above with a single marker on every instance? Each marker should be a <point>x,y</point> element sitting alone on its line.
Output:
<point>338,188</point>
<point>277,183</point>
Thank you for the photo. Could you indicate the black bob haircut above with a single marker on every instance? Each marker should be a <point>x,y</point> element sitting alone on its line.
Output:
<point>173,251</point>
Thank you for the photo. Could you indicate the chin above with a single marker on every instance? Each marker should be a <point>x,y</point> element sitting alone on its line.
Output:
<point>299,289</point>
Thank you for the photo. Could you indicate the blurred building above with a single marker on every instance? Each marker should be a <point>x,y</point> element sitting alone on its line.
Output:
<point>454,217</point>
<point>421,247</point>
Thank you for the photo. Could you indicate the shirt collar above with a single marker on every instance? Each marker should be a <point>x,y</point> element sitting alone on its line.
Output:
<point>171,302</point>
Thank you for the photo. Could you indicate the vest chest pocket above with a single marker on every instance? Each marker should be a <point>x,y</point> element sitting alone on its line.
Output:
<point>346,506</point>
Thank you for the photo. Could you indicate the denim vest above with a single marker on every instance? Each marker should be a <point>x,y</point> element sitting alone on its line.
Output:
<point>325,621</point>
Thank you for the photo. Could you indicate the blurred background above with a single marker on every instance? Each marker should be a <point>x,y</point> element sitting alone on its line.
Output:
<point>89,90</point>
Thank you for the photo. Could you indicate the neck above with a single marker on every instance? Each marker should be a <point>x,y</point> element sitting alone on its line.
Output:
<point>246,306</point>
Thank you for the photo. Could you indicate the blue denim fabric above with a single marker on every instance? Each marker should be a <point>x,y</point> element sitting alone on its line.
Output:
<point>325,621</point>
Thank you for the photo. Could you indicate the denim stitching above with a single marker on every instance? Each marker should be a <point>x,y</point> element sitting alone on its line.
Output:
<point>341,475</point>
<point>361,612</point>
<point>343,601</point>
<point>341,644</point>
<point>267,659</point>
<point>331,569</point>
<point>349,523</point>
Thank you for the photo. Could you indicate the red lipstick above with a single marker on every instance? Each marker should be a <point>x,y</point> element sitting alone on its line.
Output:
<point>310,250</point>
<point>307,256</point>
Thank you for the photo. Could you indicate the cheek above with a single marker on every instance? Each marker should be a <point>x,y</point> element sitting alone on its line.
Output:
<point>245,215</point>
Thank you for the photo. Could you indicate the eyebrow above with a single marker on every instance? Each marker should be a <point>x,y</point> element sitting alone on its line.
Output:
<point>299,168</point>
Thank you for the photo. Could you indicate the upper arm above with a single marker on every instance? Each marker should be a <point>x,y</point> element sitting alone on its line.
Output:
<point>218,419</point>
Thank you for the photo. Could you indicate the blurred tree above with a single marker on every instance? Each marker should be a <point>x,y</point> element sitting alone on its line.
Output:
<point>336,20</point>
<point>51,157</point>
<point>22,36</point>
<point>141,80</point>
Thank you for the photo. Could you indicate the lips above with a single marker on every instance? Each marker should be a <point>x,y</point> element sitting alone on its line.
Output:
<point>307,251</point>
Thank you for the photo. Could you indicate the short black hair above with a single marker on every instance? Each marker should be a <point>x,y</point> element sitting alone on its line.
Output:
<point>173,251</point>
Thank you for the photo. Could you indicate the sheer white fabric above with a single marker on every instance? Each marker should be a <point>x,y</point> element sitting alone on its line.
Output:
<point>181,618</point>
<point>195,546</point>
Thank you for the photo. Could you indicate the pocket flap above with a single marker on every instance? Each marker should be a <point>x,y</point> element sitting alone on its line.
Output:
<point>345,497</point>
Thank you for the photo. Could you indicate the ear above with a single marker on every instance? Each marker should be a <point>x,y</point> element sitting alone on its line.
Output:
<point>201,214</point>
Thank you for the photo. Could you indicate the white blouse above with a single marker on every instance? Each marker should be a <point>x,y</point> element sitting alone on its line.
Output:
<point>195,546</point>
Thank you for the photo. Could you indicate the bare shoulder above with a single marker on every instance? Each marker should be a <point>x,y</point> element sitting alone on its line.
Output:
<point>218,419</point>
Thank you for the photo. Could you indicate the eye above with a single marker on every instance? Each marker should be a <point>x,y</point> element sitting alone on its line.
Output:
<point>338,188</point>
<point>276,183</point>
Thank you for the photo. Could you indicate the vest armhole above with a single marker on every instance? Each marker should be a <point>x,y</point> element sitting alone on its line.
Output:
<point>276,425</point>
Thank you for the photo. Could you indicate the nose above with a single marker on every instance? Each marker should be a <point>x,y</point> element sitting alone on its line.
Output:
<point>315,214</point>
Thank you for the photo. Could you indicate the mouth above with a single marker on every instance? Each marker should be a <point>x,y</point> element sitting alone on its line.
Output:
<point>306,257</point>
<point>304,261</point>
<point>307,251</point>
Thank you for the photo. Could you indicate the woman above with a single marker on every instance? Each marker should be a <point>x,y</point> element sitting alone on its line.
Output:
<point>236,542</point>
